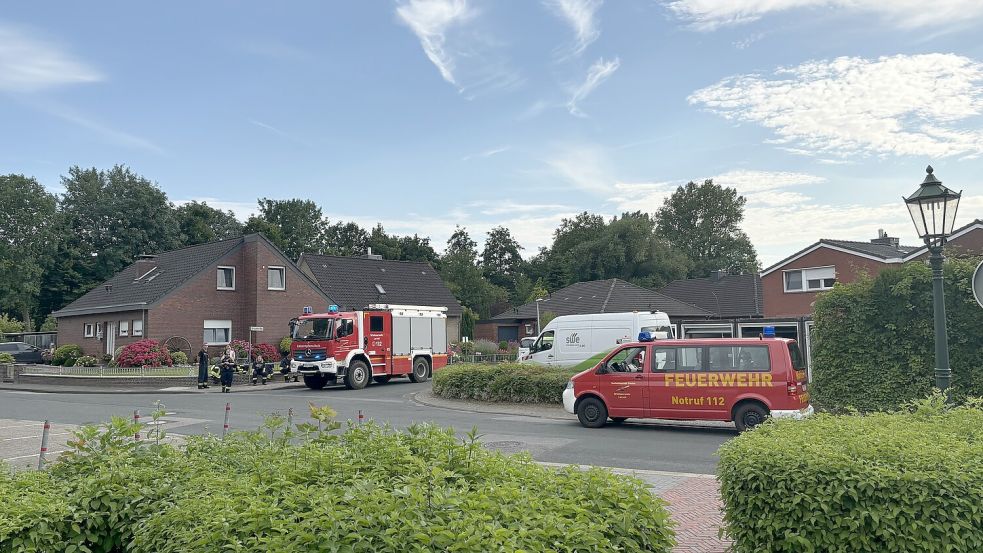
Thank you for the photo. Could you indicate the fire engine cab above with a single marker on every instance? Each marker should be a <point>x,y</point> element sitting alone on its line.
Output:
<point>379,343</point>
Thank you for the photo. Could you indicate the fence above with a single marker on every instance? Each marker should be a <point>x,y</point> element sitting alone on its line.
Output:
<point>484,358</point>
<point>108,371</point>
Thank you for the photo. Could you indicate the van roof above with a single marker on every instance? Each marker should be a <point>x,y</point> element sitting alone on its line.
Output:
<point>714,341</point>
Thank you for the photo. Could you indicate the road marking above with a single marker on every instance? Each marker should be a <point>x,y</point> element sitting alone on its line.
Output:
<point>38,436</point>
<point>34,455</point>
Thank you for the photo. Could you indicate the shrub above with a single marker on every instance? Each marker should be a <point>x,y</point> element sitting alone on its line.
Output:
<point>466,348</point>
<point>243,349</point>
<point>67,355</point>
<point>86,361</point>
<point>503,345</point>
<point>179,357</point>
<point>874,338</point>
<point>285,345</point>
<point>484,347</point>
<point>34,512</point>
<point>6,358</point>
<point>145,353</point>
<point>507,382</point>
<point>907,481</point>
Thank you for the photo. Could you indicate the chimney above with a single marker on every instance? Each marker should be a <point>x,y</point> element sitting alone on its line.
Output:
<point>370,255</point>
<point>144,264</point>
<point>718,274</point>
<point>884,239</point>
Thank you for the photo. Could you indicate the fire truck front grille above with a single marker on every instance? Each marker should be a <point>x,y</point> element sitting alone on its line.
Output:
<point>310,355</point>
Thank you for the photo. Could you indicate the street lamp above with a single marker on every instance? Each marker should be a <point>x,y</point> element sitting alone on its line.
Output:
<point>538,330</point>
<point>933,210</point>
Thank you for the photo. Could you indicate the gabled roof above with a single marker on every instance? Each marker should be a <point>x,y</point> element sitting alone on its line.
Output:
<point>728,296</point>
<point>351,282</point>
<point>884,253</point>
<point>976,224</point>
<point>604,296</point>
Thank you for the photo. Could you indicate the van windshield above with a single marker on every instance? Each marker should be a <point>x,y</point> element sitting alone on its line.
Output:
<point>659,332</point>
<point>798,363</point>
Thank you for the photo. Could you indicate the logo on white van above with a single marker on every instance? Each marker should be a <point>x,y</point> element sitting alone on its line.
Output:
<point>573,340</point>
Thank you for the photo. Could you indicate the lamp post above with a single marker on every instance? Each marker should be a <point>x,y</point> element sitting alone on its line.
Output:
<point>538,329</point>
<point>933,211</point>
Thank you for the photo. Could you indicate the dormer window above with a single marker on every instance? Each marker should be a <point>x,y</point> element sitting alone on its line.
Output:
<point>226,278</point>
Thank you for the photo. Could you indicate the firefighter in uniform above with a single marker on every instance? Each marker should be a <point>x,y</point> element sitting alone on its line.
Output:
<point>227,367</point>
<point>259,369</point>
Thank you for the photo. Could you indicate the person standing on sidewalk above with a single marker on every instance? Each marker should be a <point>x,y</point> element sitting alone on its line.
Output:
<point>203,367</point>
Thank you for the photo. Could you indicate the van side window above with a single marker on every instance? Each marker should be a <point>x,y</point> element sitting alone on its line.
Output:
<point>545,342</point>
<point>689,359</point>
<point>739,358</point>
<point>663,359</point>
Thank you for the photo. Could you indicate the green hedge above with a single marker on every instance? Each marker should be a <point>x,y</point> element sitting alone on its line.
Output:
<point>900,482</point>
<point>874,340</point>
<point>67,355</point>
<point>368,489</point>
<point>504,382</point>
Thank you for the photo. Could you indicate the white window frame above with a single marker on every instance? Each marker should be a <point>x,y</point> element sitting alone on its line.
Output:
<point>777,325</point>
<point>218,271</point>
<point>124,328</point>
<point>805,281</point>
<point>136,331</point>
<point>283,277</point>
<point>809,326</point>
<point>88,330</point>
<point>706,326</point>
<point>209,324</point>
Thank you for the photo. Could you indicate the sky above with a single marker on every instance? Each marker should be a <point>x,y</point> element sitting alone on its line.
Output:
<point>428,114</point>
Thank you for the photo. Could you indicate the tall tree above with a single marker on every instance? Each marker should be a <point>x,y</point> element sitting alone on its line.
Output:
<point>347,239</point>
<point>27,213</point>
<point>417,248</point>
<point>383,243</point>
<point>501,261</point>
<point>703,222</point>
<point>200,223</point>
<point>459,269</point>
<point>300,225</point>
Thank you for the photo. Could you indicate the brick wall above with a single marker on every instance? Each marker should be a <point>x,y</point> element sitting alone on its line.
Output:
<point>71,331</point>
<point>275,308</point>
<point>970,243</point>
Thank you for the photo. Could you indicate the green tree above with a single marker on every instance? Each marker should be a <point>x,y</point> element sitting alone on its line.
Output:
<point>27,213</point>
<point>50,324</point>
<point>501,261</point>
<point>200,223</point>
<point>346,239</point>
<point>417,248</point>
<point>538,291</point>
<point>459,269</point>
<point>383,243</point>
<point>703,222</point>
<point>10,324</point>
<point>300,225</point>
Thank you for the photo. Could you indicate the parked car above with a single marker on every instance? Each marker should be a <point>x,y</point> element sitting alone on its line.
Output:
<point>572,339</point>
<point>744,380</point>
<point>525,346</point>
<point>22,352</point>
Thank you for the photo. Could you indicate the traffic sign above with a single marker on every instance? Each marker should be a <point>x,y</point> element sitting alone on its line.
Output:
<point>255,329</point>
<point>978,284</point>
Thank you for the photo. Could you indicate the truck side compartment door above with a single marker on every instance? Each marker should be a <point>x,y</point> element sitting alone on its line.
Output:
<point>378,341</point>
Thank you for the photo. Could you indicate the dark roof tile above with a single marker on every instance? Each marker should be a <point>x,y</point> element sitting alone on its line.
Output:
<point>729,296</point>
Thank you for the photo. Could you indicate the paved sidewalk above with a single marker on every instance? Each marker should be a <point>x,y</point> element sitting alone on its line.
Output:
<point>190,389</point>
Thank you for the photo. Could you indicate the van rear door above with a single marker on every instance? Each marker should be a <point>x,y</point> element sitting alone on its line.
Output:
<point>799,376</point>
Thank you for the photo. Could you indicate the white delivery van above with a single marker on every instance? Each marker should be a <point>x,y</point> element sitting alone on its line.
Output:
<point>570,339</point>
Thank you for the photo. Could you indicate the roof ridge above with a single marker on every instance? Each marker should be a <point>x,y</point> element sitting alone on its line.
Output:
<point>607,298</point>
<point>363,258</point>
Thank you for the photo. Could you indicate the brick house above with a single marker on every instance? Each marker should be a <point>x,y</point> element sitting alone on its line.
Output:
<point>790,286</point>
<point>357,282</point>
<point>598,296</point>
<point>211,293</point>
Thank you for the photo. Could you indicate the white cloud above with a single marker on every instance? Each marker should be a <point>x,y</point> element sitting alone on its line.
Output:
<point>596,74</point>
<point>487,153</point>
<point>430,21</point>
<point>707,15</point>
<point>899,105</point>
<point>579,14</point>
<point>585,167</point>
<point>28,64</point>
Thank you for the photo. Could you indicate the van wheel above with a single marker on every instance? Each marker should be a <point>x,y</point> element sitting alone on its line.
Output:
<point>357,375</point>
<point>618,420</point>
<point>420,370</point>
<point>314,381</point>
<point>381,379</point>
<point>749,415</point>
<point>592,413</point>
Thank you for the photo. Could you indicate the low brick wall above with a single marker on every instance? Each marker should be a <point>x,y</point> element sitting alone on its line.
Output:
<point>22,375</point>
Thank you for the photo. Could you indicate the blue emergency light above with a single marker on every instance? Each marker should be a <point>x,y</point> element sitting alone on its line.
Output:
<point>769,332</point>
<point>645,336</point>
<point>332,309</point>
<point>308,310</point>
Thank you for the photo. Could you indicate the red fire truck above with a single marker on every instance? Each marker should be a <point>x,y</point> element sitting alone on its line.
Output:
<point>378,343</point>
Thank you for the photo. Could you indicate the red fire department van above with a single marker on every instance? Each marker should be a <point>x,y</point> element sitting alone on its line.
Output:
<point>381,342</point>
<point>744,380</point>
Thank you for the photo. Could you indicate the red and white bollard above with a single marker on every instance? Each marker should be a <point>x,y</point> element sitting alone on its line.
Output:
<point>361,417</point>
<point>136,420</point>
<point>290,417</point>
<point>225,426</point>
<point>44,445</point>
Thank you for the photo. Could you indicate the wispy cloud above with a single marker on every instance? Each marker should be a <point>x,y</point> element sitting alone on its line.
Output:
<point>28,64</point>
<point>900,105</point>
<point>597,74</point>
<point>707,15</point>
<point>278,132</point>
<point>579,14</point>
<point>113,135</point>
<point>584,166</point>
<point>487,153</point>
<point>430,20</point>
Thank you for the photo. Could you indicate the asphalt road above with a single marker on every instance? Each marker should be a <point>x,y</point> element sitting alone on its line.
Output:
<point>643,446</point>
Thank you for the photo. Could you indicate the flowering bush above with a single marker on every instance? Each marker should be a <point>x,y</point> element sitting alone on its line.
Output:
<point>242,349</point>
<point>86,361</point>
<point>145,353</point>
<point>485,347</point>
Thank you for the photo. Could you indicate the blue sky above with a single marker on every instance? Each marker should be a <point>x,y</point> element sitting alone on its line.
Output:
<point>429,114</point>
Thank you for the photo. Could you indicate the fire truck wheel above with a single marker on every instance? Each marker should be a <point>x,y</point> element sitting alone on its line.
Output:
<point>420,370</point>
<point>357,376</point>
<point>592,412</point>
<point>382,379</point>
<point>749,415</point>
<point>315,381</point>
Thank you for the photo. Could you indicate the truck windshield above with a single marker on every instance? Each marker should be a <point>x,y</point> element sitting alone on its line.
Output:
<point>314,329</point>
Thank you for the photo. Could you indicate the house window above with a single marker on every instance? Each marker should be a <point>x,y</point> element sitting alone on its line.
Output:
<point>810,280</point>
<point>218,333</point>
<point>138,327</point>
<point>99,330</point>
<point>226,278</point>
<point>124,328</point>
<point>87,330</point>
<point>276,278</point>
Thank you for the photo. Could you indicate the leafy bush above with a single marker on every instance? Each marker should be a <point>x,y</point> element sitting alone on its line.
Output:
<point>145,353</point>
<point>67,355</point>
<point>264,492</point>
<point>907,481</point>
<point>484,347</point>
<point>86,361</point>
<point>874,340</point>
<point>6,358</point>
<point>243,349</point>
<point>464,348</point>
<point>507,382</point>
<point>179,357</point>
<point>284,345</point>
<point>10,324</point>
<point>503,345</point>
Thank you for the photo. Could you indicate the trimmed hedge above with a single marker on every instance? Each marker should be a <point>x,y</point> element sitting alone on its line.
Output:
<point>901,482</point>
<point>503,382</point>
<point>874,339</point>
<point>369,489</point>
<point>67,355</point>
